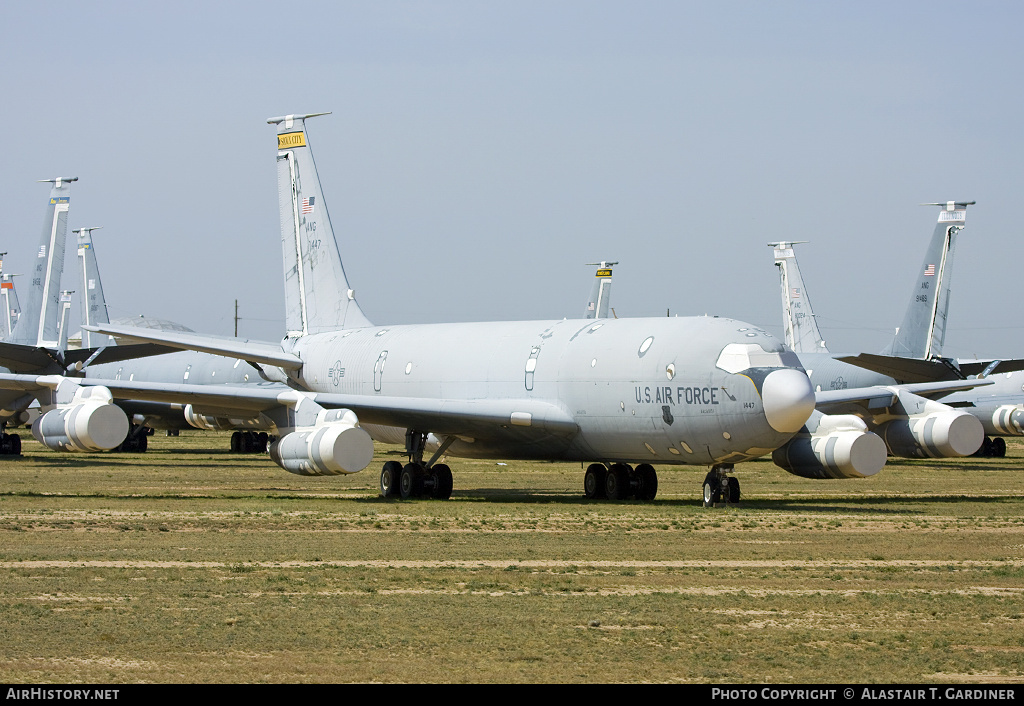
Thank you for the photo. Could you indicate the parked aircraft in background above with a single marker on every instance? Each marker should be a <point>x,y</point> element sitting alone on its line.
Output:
<point>997,406</point>
<point>250,433</point>
<point>600,295</point>
<point>9,302</point>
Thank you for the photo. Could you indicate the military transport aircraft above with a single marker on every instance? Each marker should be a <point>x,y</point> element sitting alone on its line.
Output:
<point>914,355</point>
<point>701,390</point>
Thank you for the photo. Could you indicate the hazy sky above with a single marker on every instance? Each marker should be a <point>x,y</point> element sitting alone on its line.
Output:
<point>480,153</point>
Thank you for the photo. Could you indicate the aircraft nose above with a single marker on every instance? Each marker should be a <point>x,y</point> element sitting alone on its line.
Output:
<point>788,399</point>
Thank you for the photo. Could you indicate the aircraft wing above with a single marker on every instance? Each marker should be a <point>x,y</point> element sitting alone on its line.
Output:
<point>440,416</point>
<point>879,397</point>
<point>21,357</point>
<point>255,351</point>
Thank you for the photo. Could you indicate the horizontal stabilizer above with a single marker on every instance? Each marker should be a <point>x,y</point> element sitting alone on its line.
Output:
<point>253,351</point>
<point>878,397</point>
<point>911,370</point>
<point>905,370</point>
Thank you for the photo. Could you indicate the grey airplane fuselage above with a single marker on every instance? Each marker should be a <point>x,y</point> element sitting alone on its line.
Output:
<point>638,390</point>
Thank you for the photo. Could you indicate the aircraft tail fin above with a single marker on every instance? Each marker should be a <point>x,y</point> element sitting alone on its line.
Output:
<point>94,304</point>
<point>38,325</point>
<point>923,331</point>
<point>318,297</point>
<point>12,308</point>
<point>802,333</point>
<point>600,295</point>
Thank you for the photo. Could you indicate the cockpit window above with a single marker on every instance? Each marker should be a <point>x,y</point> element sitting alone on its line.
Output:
<point>741,356</point>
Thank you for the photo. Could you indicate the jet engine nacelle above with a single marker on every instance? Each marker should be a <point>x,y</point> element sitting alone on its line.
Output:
<point>839,447</point>
<point>934,435</point>
<point>90,423</point>
<point>1008,420</point>
<point>336,445</point>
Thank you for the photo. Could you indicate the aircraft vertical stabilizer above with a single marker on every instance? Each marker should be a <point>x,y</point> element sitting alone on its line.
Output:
<point>9,301</point>
<point>37,326</point>
<point>318,297</point>
<point>600,295</point>
<point>802,333</point>
<point>923,330</point>
<point>94,304</point>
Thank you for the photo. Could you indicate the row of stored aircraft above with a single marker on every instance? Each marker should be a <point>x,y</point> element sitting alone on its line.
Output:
<point>617,394</point>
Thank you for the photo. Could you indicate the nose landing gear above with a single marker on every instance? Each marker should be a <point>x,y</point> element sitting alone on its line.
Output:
<point>721,487</point>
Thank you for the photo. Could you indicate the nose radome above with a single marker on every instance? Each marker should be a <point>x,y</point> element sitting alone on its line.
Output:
<point>788,399</point>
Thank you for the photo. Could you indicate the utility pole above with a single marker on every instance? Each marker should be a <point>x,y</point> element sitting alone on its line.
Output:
<point>236,318</point>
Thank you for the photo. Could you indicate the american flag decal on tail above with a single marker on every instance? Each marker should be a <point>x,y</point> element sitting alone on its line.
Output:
<point>929,271</point>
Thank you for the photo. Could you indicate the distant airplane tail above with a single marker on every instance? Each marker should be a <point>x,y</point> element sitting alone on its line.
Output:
<point>38,324</point>
<point>600,295</point>
<point>318,297</point>
<point>802,333</point>
<point>12,308</point>
<point>923,331</point>
<point>94,304</point>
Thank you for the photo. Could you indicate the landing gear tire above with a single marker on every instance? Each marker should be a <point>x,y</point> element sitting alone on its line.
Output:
<point>999,447</point>
<point>733,490</point>
<point>616,483</point>
<point>443,483</point>
<point>389,479</point>
<point>593,481</point>
<point>10,445</point>
<point>711,492</point>
<point>410,481</point>
<point>647,482</point>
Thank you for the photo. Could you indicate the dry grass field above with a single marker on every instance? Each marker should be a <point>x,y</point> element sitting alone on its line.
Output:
<point>189,564</point>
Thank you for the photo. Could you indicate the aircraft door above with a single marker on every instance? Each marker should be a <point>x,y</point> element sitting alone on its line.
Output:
<point>531,366</point>
<point>378,370</point>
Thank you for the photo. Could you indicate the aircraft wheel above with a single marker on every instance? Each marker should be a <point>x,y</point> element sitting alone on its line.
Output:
<point>236,442</point>
<point>733,489</point>
<point>263,445</point>
<point>647,482</point>
<point>15,444</point>
<point>141,443</point>
<point>593,481</point>
<point>999,447</point>
<point>616,483</point>
<point>712,490</point>
<point>6,445</point>
<point>389,479</point>
<point>410,481</point>
<point>443,482</point>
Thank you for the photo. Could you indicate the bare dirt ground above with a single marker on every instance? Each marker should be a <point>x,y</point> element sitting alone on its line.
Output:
<point>188,564</point>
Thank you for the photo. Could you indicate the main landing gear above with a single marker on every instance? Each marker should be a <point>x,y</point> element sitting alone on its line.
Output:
<point>721,487</point>
<point>992,448</point>
<point>249,442</point>
<point>137,440</point>
<point>10,444</point>
<point>417,479</point>
<point>620,482</point>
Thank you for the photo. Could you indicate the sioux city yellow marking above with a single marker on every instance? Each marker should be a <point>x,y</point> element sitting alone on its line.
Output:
<point>291,139</point>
